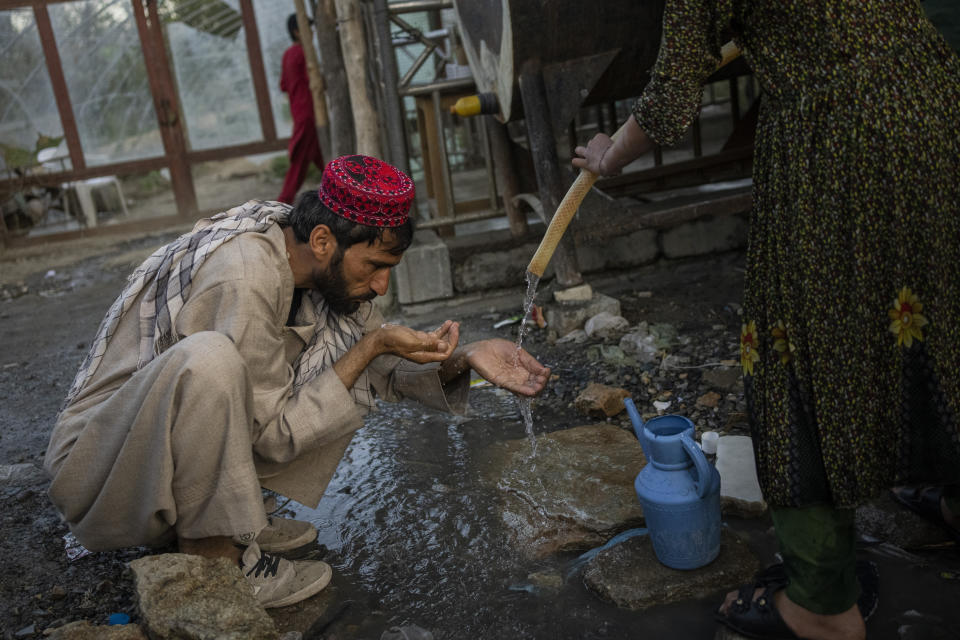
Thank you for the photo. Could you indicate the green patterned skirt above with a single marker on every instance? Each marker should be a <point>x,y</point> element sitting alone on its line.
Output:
<point>851,341</point>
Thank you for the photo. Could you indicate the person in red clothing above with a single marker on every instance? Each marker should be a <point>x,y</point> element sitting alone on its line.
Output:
<point>304,146</point>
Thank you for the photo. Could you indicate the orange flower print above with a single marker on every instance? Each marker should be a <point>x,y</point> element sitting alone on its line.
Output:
<point>906,321</point>
<point>781,342</point>
<point>748,347</point>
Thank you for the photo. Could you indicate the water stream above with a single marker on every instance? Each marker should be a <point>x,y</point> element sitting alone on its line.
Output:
<point>523,402</point>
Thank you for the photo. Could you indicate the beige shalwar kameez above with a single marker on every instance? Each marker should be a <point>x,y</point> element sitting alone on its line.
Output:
<point>183,445</point>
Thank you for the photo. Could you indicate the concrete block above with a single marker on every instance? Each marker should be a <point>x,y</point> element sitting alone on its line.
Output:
<point>567,317</point>
<point>619,252</point>
<point>709,235</point>
<point>424,273</point>
<point>580,293</point>
<point>739,489</point>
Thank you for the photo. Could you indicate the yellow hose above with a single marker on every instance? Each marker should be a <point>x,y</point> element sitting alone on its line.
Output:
<point>578,191</point>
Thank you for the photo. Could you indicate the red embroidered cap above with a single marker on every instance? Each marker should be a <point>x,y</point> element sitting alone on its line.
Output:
<point>366,190</point>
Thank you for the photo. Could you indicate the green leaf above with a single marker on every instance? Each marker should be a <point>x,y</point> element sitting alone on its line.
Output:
<point>17,157</point>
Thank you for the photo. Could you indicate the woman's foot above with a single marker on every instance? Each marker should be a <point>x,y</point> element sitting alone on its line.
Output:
<point>802,622</point>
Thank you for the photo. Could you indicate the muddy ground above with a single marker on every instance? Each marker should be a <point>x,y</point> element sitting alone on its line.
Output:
<point>52,299</point>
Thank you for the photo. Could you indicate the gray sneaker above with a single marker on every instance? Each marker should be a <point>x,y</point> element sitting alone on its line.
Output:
<point>278,582</point>
<point>280,534</point>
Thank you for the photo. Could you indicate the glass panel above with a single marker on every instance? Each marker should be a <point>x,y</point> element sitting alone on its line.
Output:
<point>29,120</point>
<point>103,64</point>
<point>274,40</point>
<point>208,48</point>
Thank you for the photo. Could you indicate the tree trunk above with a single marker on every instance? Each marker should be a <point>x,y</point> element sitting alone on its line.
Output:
<point>342,139</point>
<point>354,44</point>
<point>315,77</point>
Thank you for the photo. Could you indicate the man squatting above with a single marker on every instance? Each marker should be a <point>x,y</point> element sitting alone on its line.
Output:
<point>245,354</point>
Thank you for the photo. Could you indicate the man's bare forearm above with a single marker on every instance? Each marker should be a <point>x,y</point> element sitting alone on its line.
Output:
<point>349,367</point>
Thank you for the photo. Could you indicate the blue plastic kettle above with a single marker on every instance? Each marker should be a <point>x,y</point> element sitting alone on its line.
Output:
<point>679,491</point>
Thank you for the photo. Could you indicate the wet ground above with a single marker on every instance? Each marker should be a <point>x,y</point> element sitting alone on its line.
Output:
<point>408,524</point>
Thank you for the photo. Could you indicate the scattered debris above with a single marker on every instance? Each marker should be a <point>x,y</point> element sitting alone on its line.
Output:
<point>73,548</point>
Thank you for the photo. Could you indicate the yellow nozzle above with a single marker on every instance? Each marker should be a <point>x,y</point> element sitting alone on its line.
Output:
<point>466,106</point>
<point>481,103</point>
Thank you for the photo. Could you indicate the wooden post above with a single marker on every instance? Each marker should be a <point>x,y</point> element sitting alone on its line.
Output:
<point>342,140</point>
<point>315,77</point>
<point>354,45</point>
<point>546,164</point>
<point>506,174</point>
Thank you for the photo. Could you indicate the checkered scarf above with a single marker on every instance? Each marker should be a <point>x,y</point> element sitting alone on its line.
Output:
<point>165,278</point>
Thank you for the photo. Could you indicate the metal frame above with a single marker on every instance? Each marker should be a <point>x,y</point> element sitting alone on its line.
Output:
<point>177,156</point>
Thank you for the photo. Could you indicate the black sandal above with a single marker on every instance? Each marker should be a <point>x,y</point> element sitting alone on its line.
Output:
<point>867,575</point>
<point>757,618</point>
<point>925,501</point>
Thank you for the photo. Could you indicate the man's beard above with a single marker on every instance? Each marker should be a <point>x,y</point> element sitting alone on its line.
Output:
<point>332,285</point>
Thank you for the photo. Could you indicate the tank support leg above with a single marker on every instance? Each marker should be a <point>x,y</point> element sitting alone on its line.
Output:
<point>543,146</point>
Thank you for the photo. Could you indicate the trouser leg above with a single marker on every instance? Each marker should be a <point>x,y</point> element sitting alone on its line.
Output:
<point>305,151</point>
<point>819,554</point>
<point>170,450</point>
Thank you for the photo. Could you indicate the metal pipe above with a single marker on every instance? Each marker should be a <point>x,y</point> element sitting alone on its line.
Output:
<point>420,5</point>
<point>422,89</point>
<point>408,76</point>
<point>470,217</point>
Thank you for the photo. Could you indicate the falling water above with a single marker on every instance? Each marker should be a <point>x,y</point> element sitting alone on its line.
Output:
<point>524,402</point>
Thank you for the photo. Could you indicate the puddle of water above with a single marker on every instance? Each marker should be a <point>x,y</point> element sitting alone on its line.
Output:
<point>413,527</point>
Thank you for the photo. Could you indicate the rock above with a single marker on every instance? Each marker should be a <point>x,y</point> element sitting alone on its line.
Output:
<point>581,293</point>
<point>21,475</point>
<point>725,379</point>
<point>578,336</point>
<point>83,630</point>
<point>185,597</point>
<point>406,632</point>
<point>710,400</point>
<point>550,581</point>
<point>599,400</point>
<point>739,489</point>
<point>567,317</point>
<point>886,519</point>
<point>575,494</point>
<point>630,576</point>
<point>607,326</point>
<point>640,344</point>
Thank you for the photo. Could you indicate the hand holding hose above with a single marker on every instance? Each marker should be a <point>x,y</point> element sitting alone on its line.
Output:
<point>606,156</point>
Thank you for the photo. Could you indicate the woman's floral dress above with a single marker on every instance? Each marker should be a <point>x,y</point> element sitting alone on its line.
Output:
<point>851,342</point>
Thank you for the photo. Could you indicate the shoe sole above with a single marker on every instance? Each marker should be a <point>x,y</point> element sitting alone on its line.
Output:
<point>305,539</point>
<point>309,590</point>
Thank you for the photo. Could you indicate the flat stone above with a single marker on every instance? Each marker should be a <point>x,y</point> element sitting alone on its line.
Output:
<point>739,489</point>
<point>606,325</point>
<point>600,400</point>
<point>580,293</point>
<point>710,399</point>
<point>630,576</point>
<point>83,630</point>
<point>570,316</point>
<point>186,597</point>
<point>723,378</point>
<point>575,494</point>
